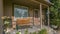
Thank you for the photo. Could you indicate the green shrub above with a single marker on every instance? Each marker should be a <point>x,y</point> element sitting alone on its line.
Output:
<point>26,31</point>
<point>43,31</point>
<point>34,32</point>
<point>17,33</point>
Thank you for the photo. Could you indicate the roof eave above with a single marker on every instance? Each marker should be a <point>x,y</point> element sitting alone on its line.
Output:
<point>45,2</point>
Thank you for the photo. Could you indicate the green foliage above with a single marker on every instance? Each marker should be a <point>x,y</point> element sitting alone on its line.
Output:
<point>26,31</point>
<point>43,31</point>
<point>34,33</point>
<point>54,16</point>
<point>17,33</point>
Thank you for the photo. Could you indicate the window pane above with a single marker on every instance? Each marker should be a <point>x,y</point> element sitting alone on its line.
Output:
<point>20,11</point>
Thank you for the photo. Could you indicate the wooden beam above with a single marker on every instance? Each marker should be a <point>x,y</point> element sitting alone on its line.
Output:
<point>48,18</point>
<point>41,15</point>
<point>39,2</point>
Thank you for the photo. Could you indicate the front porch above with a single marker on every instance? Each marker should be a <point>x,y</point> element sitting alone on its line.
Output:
<point>36,12</point>
<point>28,12</point>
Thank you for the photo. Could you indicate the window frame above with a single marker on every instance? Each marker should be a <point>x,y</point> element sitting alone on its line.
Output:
<point>22,7</point>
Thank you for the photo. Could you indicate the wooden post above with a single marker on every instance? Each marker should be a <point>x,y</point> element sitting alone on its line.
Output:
<point>1,14</point>
<point>41,15</point>
<point>48,18</point>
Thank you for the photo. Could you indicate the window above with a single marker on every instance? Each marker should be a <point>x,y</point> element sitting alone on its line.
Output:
<point>20,11</point>
<point>36,13</point>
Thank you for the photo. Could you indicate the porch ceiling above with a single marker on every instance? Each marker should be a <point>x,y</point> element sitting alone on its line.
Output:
<point>30,3</point>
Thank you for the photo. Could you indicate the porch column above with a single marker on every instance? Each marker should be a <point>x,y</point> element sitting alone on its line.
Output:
<point>1,14</point>
<point>41,15</point>
<point>48,17</point>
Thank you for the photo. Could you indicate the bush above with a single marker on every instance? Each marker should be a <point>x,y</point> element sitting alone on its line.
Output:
<point>43,31</point>
<point>34,32</point>
<point>26,31</point>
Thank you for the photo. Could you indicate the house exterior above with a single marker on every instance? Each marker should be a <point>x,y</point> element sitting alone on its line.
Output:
<point>36,9</point>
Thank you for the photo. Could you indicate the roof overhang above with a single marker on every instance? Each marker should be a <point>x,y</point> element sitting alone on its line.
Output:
<point>29,3</point>
<point>45,2</point>
<point>32,3</point>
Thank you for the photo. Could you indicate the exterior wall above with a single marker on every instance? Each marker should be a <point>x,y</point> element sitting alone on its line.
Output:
<point>43,16</point>
<point>30,12</point>
<point>1,14</point>
<point>7,8</point>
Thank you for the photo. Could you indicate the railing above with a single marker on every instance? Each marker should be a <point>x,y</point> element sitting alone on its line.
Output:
<point>26,21</point>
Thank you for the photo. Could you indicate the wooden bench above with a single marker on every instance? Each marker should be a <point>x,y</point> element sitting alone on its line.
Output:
<point>23,22</point>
